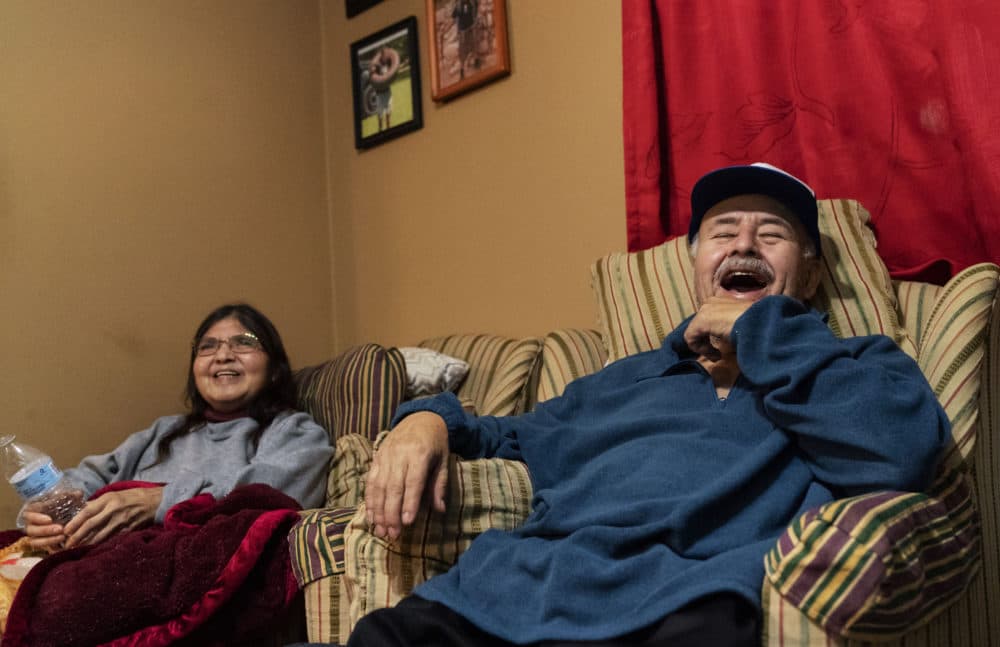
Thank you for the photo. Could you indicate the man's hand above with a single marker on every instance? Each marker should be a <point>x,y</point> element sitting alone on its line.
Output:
<point>411,465</point>
<point>113,513</point>
<point>709,332</point>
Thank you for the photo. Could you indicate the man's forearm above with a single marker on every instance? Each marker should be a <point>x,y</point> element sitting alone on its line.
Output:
<point>861,409</point>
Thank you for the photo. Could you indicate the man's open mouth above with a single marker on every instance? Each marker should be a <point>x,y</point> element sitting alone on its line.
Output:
<point>744,275</point>
<point>743,281</point>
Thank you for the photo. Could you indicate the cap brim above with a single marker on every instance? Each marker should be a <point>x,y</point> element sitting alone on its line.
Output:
<point>731,181</point>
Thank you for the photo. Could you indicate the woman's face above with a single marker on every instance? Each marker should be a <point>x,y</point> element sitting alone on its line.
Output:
<point>227,380</point>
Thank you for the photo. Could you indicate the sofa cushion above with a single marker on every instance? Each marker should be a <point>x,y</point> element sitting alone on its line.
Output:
<point>642,296</point>
<point>356,392</point>
<point>499,369</point>
<point>567,353</point>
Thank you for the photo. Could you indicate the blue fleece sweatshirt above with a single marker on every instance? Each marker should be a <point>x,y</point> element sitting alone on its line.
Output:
<point>650,491</point>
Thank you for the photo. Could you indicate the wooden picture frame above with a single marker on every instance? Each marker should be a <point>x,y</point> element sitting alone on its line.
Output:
<point>385,77</point>
<point>467,41</point>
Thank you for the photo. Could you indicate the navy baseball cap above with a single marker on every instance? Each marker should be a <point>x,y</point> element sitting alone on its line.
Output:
<point>759,178</point>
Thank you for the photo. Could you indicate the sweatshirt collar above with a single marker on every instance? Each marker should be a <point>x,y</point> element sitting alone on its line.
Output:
<point>212,415</point>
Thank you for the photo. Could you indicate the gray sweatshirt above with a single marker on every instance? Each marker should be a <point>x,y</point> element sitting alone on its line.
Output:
<point>292,455</point>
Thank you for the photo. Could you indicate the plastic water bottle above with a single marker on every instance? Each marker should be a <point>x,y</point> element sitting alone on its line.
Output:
<point>38,482</point>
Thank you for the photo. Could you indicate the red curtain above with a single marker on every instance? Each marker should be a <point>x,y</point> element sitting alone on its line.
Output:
<point>895,103</point>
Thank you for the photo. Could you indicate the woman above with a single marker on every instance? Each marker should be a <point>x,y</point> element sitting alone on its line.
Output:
<point>242,428</point>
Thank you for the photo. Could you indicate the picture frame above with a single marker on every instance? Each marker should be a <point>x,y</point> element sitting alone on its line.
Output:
<point>467,41</point>
<point>354,7</point>
<point>385,78</point>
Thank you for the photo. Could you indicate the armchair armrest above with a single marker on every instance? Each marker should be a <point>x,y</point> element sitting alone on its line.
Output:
<point>316,541</point>
<point>873,567</point>
<point>345,485</point>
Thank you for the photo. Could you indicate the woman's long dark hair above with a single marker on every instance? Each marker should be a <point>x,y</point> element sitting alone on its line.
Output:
<point>278,393</point>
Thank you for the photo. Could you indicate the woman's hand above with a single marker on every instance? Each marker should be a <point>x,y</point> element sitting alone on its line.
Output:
<point>42,533</point>
<point>112,513</point>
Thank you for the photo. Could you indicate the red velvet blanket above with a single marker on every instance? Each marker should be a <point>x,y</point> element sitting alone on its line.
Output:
<point>214,573</point>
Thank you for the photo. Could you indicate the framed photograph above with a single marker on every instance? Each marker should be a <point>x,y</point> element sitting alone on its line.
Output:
<point>467,43</point>
<point>385,74</point>
<point>354,7</point>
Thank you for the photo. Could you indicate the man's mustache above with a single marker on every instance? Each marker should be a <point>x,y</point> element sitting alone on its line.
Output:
<point>747,264</point>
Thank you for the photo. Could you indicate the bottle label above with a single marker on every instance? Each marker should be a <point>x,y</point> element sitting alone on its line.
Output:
<point>36,479</point>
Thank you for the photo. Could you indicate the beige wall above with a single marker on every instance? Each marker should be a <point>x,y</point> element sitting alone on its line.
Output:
<point>488,218</point>
<point>157,158</point>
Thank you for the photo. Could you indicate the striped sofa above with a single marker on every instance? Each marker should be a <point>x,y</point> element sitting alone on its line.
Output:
<point>900,568</point>
<point>355,396</point>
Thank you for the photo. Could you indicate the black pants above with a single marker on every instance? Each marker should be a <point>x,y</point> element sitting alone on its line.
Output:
<point>722,620</point>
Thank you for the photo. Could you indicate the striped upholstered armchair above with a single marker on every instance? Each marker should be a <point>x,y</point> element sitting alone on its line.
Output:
<point>915,570</point>
<point>910,569</point>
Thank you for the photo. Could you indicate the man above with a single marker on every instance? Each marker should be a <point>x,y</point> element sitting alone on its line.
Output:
<point>661,480</point>
<point>381,73</point>
<point>464,14</point>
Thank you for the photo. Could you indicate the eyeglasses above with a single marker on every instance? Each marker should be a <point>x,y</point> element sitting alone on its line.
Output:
<point>243,343</point>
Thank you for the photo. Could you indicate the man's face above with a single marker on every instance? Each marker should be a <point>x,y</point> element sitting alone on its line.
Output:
<point>750,247</point>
